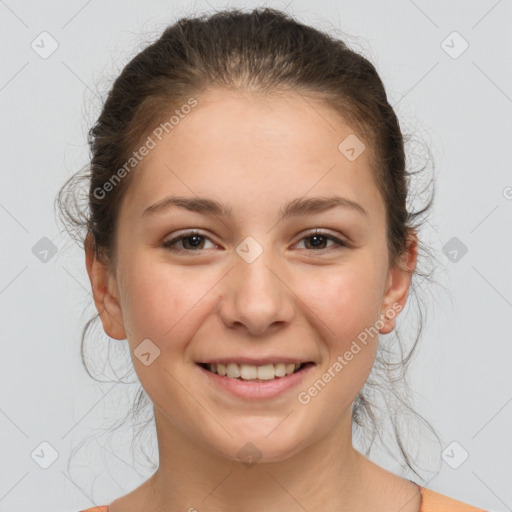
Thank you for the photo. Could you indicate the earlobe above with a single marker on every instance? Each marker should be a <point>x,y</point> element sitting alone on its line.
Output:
<point>398,285</point>
<point>104,292</point>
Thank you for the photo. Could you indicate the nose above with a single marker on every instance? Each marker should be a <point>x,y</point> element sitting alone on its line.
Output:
<point>256,297</point>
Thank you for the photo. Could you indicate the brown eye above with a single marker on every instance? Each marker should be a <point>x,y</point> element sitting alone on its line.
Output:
<point>190,242</point>
<point>317,241</point>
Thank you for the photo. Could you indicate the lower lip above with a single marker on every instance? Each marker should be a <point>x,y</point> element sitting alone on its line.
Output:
<point>255,390</point>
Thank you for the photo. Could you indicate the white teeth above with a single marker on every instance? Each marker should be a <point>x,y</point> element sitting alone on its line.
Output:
<point>251,372</point>
<point>248,371</point>
<point>280,370</point>
<point>290,368</point>
<point>233,371</point>
<point>266,372</point>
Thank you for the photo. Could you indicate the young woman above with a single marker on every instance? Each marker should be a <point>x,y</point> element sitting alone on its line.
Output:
<point>248,235</point>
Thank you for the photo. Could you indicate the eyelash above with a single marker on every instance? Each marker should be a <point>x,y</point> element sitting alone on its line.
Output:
<point>170,243</point>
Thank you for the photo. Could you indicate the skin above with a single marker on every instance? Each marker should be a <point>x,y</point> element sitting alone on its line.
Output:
<point>254,153</point>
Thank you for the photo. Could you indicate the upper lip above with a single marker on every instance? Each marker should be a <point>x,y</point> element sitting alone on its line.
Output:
<point>256,361</point>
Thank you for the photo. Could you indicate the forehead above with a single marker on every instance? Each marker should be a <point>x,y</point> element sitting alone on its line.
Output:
<point>237,145</point>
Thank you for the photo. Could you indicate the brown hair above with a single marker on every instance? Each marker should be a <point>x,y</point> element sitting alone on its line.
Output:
<point>262,51</point>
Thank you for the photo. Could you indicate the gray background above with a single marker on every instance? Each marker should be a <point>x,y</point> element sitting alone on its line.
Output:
<point>459,105</point>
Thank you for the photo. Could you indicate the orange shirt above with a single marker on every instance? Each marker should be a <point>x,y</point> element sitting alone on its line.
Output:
<point>431,501</point>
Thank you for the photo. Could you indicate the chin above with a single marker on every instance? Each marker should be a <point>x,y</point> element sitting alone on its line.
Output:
<point>260,447</point>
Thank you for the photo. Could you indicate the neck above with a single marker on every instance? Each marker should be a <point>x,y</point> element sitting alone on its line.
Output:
<point>326,475</point>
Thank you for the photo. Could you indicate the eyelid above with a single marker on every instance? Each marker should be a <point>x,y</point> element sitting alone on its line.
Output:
<point>323,232</point>
<point>340,243</point>
<point>182,235</point>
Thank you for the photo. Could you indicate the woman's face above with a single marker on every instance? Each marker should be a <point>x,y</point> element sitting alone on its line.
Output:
<point>257,176</point>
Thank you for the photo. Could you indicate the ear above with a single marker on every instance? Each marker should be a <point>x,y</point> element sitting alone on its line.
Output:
<point>104,289</point>
<point>398,284</point>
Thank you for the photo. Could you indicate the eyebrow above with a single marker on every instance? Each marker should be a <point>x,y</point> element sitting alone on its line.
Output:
<point>296,207</point>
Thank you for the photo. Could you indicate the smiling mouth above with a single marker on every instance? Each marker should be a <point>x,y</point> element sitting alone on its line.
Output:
<point>249,372</point>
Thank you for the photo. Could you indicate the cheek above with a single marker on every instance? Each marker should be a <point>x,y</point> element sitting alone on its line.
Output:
<point>160,304</point>
<point>167,304</point>
<point>347,300</point>
<point>157,299</point>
